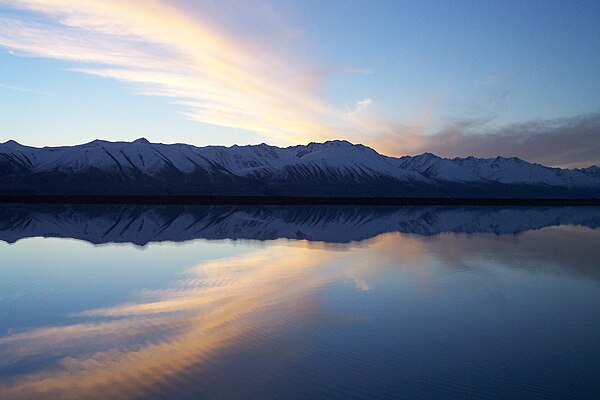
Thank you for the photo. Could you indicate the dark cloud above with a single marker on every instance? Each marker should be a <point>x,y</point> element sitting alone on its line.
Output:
<point>567,142</point>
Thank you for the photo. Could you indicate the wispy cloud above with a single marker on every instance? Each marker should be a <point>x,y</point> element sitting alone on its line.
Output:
<point>163,51</point>
<point>361,106</point>
<point>26,90</point>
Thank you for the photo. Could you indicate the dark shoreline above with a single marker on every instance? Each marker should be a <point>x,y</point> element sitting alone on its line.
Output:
<point>290,200</point>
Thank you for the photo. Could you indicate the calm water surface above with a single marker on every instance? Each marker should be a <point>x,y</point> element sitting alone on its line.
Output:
<point>299,302</point>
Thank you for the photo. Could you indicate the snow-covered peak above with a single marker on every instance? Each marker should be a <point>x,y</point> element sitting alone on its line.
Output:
<point>96,142</point>
<point>427,156</point>
<point>338,143</point>
<point>141,140</point>
<point>11,143</point>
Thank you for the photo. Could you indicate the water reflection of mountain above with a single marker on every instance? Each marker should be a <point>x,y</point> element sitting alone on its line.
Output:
<point>333,224</point>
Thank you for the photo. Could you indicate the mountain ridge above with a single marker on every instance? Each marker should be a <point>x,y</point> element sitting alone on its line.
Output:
<point>331,168</point>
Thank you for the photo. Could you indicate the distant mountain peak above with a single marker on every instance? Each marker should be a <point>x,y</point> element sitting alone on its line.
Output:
<point>427,155</point>
<point>339,143</point>
<point>141,140</point>
<point>332,143</point>
<point>96,142</point>
<point>502,158</point>
<point>11,143</point>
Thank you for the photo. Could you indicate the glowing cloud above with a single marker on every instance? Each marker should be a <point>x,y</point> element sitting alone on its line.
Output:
<point>164,51</point>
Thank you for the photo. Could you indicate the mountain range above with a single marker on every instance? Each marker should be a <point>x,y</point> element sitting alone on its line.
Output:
<point>334,168</point>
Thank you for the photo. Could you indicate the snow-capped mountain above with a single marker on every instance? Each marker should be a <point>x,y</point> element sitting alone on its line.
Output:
<point>333,168</point>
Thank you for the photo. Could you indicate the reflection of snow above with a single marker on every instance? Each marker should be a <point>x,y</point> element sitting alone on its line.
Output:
<point>343,224</point>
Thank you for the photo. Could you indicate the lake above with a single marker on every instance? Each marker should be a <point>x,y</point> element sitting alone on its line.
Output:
<point>305,302</point>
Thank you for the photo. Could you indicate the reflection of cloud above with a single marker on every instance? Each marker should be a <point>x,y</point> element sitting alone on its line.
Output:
<point>153,342</point>
<point>571,250</point>
<point>225,304</point>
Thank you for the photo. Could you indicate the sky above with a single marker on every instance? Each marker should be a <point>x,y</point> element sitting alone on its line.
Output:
<point>457,78</point>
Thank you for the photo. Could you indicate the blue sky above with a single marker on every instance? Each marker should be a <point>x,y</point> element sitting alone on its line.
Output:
<point>403,77</point>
